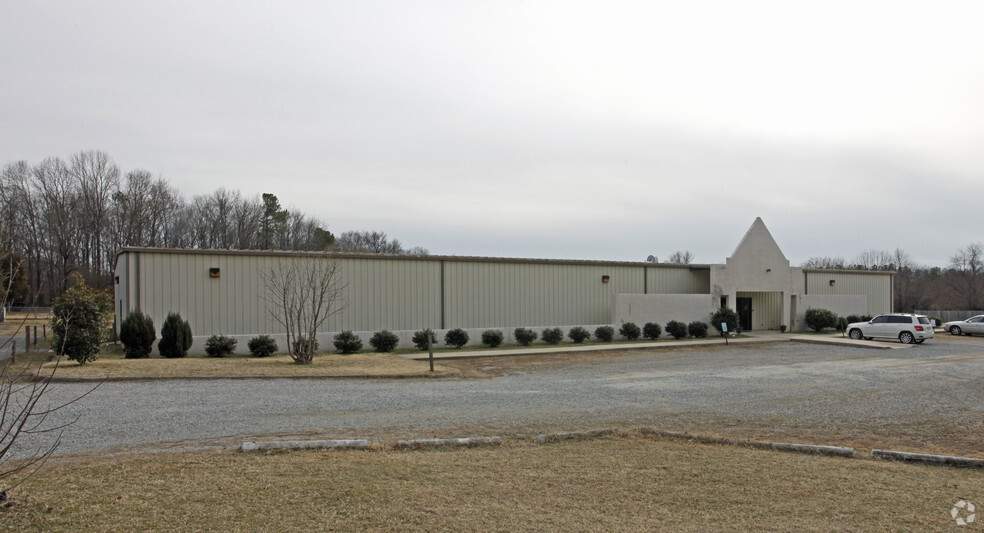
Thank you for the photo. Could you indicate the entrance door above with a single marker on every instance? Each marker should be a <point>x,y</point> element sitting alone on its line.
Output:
<point>744,313</point>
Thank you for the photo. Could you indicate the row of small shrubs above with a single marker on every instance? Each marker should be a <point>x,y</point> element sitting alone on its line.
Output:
<point>819,319</point>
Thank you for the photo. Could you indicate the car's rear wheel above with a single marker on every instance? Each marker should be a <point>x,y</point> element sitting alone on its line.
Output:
<point>855,334</point>
<point>954,330</point>
<point>906,337</point>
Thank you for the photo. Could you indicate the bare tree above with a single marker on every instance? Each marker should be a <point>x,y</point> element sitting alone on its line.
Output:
<point>22,390</point>
<point>303,292</point>
<point>826,263</point>
<point>375,242</point>
<point>966,275</point>
<point>681,257</point>
<point>874,260</point>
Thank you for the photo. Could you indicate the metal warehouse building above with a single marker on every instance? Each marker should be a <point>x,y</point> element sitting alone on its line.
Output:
<point>222,292</point>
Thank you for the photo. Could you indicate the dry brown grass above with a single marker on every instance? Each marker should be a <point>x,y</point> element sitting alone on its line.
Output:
<point>625,483</point>
<point>114,366</point>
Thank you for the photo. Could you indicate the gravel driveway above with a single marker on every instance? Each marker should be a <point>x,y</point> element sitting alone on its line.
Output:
<point>925,398</point>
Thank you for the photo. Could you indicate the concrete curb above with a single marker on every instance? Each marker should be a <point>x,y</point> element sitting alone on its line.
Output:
<point>304,445</point>
<point>946,460</point>
<point>438,443</point>
<point>838,451</point>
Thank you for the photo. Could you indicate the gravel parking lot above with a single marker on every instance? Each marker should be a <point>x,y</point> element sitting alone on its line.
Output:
<point>927,398</point>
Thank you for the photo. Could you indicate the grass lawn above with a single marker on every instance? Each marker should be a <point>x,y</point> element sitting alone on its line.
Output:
<point>621,483</point>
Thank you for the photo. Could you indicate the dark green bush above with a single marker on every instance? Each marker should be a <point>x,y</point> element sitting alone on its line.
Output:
<point>727,316</point>
<point>552,335</point>
<point>863,318</point>
<point>175,337</point>
<point>938,323</point>
<point>605,333</point>
<point>677,329</point>
<point>524,336</point>
<point>384,341</point>
<point>420,338</point>
<point>651,330</point>
<point>630,331</point>
<point>80,320</point>
<point>697,329</point>
<point>819,319</point>
<point>346,342</point>
<point>456,337</point>
<point>841,323</point>
<point>137,333</point>
<point>220,346</point>
<point>492,337</point>
<point>262,346</point>
<point>578,334</point>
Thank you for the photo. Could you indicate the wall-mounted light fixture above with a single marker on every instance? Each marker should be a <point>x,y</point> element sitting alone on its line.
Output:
<point>606,279</point>
<point>213,272</point>
<point>768,270</point>
<point>832,282</point>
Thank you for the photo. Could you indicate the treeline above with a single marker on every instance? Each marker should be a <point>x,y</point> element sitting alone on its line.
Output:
<point>958,286</point>
<point>62,216</point>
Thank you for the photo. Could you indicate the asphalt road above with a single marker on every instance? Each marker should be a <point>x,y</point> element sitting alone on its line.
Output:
<point>924,398</point>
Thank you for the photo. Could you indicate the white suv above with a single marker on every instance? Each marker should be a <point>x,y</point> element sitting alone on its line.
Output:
<point>902,326</point>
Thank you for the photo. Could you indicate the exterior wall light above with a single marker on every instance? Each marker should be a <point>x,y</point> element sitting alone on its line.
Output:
<point>832,282</point>
<point>606,279</point>
<point>213,272</point>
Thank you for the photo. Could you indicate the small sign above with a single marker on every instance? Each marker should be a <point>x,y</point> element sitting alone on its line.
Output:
<point>724,327</point>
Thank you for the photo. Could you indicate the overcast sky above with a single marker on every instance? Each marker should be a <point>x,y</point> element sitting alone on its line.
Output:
<point>585,130</point>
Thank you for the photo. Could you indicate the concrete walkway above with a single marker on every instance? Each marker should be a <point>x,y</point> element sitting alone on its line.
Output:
<point>750,337</point>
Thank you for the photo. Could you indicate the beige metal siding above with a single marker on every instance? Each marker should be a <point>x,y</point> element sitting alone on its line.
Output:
<point>878,288</point>
<point>498,294</point>
<point>389,294</point>
<point>766,309</point>
<point>674,280</point>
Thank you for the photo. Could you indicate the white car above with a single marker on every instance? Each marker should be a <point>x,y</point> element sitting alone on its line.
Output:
<point>905,327</point>
<point>972,325</point>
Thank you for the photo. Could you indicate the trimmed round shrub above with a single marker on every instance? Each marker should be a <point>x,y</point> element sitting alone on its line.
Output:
<point>301,346</point>
<point>492,337</point>
<point>347,342</point>
<point>864,318</point>
<point>630,331</point>
<point>384,341</point>
<point>727,316</point>
<point>137,333</point>
<point>262,346</point>
<point>552,335</point>
<point>605,333</point>
<point>697,329</point>
<point>578,334</point>
<point>220,346</point>
<point>651,330</point>
<point>420,338</point>
<point>175,337</point>
<point>819,319</point>
<point>676,329</point>
<point>524,336</point>
<point>456,337</point>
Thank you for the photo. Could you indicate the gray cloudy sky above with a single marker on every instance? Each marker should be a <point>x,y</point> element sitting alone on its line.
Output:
<point>558,129</point>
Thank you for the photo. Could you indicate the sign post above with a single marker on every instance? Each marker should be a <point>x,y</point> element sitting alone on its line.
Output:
<point>724,332</point>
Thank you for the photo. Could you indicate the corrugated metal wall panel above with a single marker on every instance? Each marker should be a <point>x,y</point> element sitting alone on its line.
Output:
<point>498,294</point>
<point>877,287</point>
<point>766,309</point>
<point>670,280</point>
